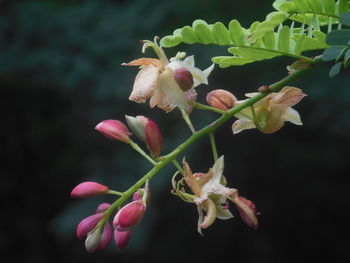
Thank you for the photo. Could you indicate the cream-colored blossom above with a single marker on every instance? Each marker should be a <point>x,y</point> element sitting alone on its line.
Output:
<point>269,114</point>
<point>155,80</point>
<point>211,193</point>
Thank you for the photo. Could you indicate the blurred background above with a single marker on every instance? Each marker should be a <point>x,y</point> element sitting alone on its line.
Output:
<point>60,75</point>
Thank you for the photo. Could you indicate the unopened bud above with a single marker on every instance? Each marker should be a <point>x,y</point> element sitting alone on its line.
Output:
<point>139,194</point>
<point>115,130</point>
<point>247,210</point>
<point>183,78</point>
<point>106,236</point>
<point>221,99</point>
<point>93,240</point>
<point>154,138</point>
<point>129,216</point>
<point>102,207</point>
<point>88,224</point>
<point>137,125</point>
<point>121,238</point>
<point>87,189</point>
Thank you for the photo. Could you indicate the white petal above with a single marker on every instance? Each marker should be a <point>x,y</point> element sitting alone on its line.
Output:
<point>292,116</point>
<point>222,213</point>
<point>217,170</point>
<point>145,83</point>
<point>189,60</point>
<point>251,94</point>
<point>208,70</point>
<point>242,124</point>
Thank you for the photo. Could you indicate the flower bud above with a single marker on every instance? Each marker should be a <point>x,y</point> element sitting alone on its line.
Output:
<point>93,240</point>
<point>87,189</point>
<point>102,207</point>
<point>137,125</point>
<point>183,78</point>
<point>154,138</point>
<point>221,99</point>
<point>115,130</point>
<point>88,224</point>
<point>129,216</point>
<point>247,210</point>
<point>106,236</point>
<point>121,238</point>
<point>139,194</point>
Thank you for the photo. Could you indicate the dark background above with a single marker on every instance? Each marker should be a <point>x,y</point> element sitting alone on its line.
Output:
<point>60,75</point>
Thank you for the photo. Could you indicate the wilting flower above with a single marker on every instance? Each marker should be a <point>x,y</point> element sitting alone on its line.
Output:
<point>211,193</point>
<point>247,210</point>
<point>87,189</point>
<point>221,99</point>
<point>114,130</point>
<point>269,114</point>
<point>167,84</point>
<point>129,216</point>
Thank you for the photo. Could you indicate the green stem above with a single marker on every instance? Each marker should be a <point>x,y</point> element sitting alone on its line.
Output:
<point>164,160</point>
<point>206,107</point>
<point>187,120</point>
<point>112,192</point>
<point>142,152</point>
<point>213,146</point>
<point>178,166</point>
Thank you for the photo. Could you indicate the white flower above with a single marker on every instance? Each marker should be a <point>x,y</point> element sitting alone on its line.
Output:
<point>269,114</point>
<point>167,84</point>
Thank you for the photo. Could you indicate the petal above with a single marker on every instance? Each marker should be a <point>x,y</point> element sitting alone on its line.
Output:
<point>145,83</point>
<point>217,170</point>
<point>292,116</point>
<point>210,215</point>
<point>223,213</point>
<point>288,97</point>
<point>145,62</point>
<point>242,124</point>
<point>189,60</point>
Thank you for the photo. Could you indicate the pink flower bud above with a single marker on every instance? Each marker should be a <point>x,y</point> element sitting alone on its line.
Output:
<point>129,216</point>
<point>115,130</point>
<point>106,236</point>
<point>221,99</point>
<point>102,207</point>
<point>154,138</point>
<point>183,78</point>
<point>247,210</point>
<point>121,238</point>
<point>87,189</point>
<point>137,125</point>
<point>88,224</point>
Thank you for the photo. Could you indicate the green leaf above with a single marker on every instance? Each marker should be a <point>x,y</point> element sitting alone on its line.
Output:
<point>227,61</point>
<point>170,41</point>
<point>221,34</point>
<point>329,6</point>
<point>236,32</point>
<point>188,35</point>
<point>283,39</point>
<point>299,46</point>
<point>332,53</point>
<point>203,32</point>
<point>339,37</point>
<point>253,53</point>
<point>347,59</point>
<point>343,6</point>
<point>345,19</point>
<point>269,40</point>
<point>315,5</point>
<point>335,69</point>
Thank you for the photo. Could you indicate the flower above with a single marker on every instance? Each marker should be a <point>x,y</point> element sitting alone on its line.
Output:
<point>88,224</point>
<point>269,114</point>
<point>221,99</point>
<point>212,195</point>
<point>114,130</point>
<point>167,84</point>
<point>88,189</point>
<point>247,210</point>
<point>121,238</point>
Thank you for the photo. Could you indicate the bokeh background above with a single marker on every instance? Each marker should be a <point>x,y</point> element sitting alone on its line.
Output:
<point>60,75</point>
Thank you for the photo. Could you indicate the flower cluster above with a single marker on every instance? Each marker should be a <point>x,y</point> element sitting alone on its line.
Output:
<point>97,229</point>
<point>169,84</point>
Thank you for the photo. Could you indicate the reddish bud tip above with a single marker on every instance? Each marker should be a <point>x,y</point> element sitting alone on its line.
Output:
<point>221,99</point>
<point>121,238</point>
<point>102,207</point>
<point>183,78</point>
<point>87,189</point>
<point>154,138</point>
<point>88,224</point>
<point>115,130</point>
<point>129,216</point>
<point>247,211</point>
